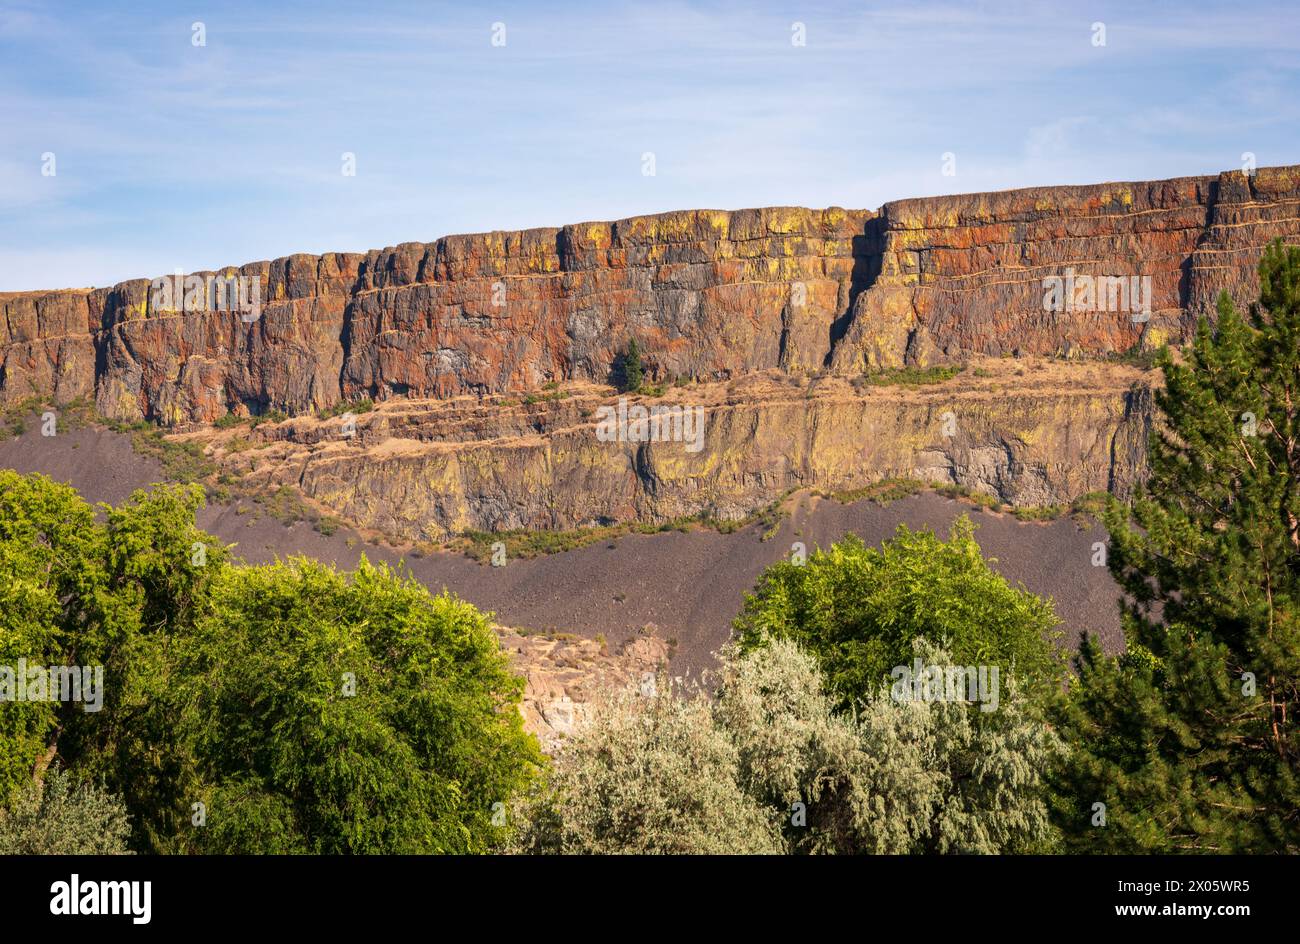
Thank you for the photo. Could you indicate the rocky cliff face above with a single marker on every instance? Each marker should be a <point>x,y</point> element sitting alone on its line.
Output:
<point>1030,433</point>
<point>764,319</point>
<point>965,274</point>
<point>709,295</point>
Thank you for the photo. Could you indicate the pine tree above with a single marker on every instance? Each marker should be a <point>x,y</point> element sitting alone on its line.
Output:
<point>633,374</point>
<point>1190,740</point>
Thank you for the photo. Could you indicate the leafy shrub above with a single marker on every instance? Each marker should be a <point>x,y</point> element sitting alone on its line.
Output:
<point>912,376</point>
<point>357,406</point>
<point>61,817</point>
<point>770,765</point>
<point>883,492</point>
<point>649,775</point>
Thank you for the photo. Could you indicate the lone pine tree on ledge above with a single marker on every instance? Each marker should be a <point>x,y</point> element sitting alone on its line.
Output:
<point>633,376</point>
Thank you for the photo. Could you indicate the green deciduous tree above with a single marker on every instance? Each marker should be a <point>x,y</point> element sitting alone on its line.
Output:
<point>299,708</point>
<point>1194,746</point>
<point>159,569</point>
<point>332,713</point>
<point>858,610</point>
<point>53,595</point>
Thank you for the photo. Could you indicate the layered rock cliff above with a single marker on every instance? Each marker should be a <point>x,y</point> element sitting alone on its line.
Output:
<point>709,295</point>
<point>766,320</point>
<point>421,470</point>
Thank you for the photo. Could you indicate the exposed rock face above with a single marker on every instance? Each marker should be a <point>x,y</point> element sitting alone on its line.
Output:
<point>181,367</point>
<point>567,678</point>
<point>706,293</point>
<point>1031,434</point>
<point>709,295</point>
<point>965,274</point>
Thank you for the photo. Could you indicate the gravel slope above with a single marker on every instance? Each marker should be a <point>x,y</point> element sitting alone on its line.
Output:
<point>689,585</point>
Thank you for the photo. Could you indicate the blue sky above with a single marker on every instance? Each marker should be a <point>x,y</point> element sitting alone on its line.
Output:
<point>173,156</point>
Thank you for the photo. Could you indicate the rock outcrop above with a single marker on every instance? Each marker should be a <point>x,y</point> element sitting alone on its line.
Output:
<point>965,274</point>
<point>1030,433</point>
<point>709,295</point>
<point>567,678</point>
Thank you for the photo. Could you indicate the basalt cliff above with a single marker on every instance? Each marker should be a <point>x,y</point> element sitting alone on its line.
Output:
<point>489,356</point>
